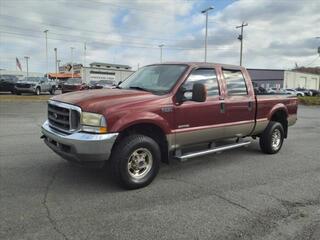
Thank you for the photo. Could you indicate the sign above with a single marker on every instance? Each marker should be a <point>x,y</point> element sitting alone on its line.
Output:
<point>99,77</point>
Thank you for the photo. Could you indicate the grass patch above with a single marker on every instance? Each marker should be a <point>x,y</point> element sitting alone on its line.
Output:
<point>309,100</point>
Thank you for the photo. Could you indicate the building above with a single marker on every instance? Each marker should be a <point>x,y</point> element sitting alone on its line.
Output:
<point>96,71</point>
<point>277,78</point>
<point>267,78</point>
<point>301,80</point>
<point>19,74</point>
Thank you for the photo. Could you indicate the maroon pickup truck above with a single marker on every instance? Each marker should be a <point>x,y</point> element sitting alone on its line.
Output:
<point>163,112</point>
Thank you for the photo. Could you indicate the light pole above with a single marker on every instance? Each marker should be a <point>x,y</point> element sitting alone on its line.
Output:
<point>56,61</point>
<point>205,11</point>
<point>241,39</point>
<point>46,35</point>
<point>72,61</point>
<point>84,53</point>
<point>27,63</point>
<point>161,46</point>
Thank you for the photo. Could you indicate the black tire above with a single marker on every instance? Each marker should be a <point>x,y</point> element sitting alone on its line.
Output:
<point>299,95</point>
<point>38,91</point>
<point>122,155</point>
<point>52,91</point>
<point>18,93</point>
<point>268,139</point>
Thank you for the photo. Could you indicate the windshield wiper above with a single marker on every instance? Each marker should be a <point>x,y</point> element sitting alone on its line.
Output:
<point>140,88</point>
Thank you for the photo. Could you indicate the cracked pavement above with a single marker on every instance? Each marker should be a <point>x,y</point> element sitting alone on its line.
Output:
<point>240,194</point>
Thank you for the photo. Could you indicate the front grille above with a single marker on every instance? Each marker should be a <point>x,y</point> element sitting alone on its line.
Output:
<point>23,85</point>
<point>62,117</point>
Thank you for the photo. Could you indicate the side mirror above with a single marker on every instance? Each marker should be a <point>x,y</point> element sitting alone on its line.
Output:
<point>199,92</point>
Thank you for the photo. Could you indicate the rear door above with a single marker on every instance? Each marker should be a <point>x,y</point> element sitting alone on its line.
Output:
<point>239,103</point>
<point>199,121</point>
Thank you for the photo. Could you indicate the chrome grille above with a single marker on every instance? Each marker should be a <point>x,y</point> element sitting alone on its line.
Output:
<point>63,117</point>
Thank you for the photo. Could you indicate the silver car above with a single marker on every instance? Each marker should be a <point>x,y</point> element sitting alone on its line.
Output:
<point>35,85</point>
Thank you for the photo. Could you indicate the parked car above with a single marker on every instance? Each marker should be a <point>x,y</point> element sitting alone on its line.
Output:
<point>314,92</point>
<point>7,83</point>
<point>161,111</point>
<point>73,84</point>
<point>260,91</point>
<point>36,85</point>
<point>102,84</point>
<point>294,92</point>
<point>306,92</point>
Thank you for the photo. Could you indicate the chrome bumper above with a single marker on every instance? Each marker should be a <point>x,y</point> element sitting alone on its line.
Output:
<point>79,146</point>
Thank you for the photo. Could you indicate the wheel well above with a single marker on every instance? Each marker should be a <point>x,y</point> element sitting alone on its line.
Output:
<point>281,117</point>
<point>152,131</point>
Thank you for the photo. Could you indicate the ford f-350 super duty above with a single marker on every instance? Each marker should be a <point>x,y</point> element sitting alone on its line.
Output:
<point>160,113</point>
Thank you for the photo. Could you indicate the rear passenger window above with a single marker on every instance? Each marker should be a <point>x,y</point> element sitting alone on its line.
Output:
<point>205,76</point>
<point>236,84</point>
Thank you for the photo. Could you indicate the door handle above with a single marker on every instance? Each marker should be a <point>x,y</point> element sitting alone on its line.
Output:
<point>250,106</point>
<point>222,107</point>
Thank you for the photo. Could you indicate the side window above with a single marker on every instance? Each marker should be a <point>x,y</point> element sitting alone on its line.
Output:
<point>205,76</point>
<point>236,84</point>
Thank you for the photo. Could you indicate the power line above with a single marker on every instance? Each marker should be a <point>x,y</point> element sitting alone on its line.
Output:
<point>111,42</point>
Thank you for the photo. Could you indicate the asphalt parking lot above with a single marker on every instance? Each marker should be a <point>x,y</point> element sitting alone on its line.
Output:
<point>240,194</point>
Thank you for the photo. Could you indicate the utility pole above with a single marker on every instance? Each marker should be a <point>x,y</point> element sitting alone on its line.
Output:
<point>241,39</point>
<point>205,11</point>
<point>319,46</point>
<point>72,72</point>
<point>27,63</point>
<point>46,35</point>
<point>161,46</point>
<point>56,61</point>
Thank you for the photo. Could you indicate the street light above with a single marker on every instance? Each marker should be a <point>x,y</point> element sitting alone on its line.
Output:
<point>161,46</point>
<point>46,36</point>
<point>205,11</point>
<point>72,61</point>
<point>27,63</point>
<point>56,61</point>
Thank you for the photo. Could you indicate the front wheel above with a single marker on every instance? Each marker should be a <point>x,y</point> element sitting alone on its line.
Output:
<point>135,161</point>
<point>37,91</point>
<point>272,138</point>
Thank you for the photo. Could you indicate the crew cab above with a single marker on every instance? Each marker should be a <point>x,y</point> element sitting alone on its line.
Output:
<point>164,112</point>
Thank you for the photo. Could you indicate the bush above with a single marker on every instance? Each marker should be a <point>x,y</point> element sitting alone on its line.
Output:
<point>309,100</point>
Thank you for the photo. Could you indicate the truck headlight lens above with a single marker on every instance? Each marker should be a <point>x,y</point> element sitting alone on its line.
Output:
<point>93,122</point>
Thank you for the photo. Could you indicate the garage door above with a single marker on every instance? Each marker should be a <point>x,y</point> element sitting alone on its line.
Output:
<point>312,83</point>
<point>301,82</point>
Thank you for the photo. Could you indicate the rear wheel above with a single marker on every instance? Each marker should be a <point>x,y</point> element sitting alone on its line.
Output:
<point>52,91</point>
<point>272,138</point>
<point>18,93</point>
<point>135,161</point>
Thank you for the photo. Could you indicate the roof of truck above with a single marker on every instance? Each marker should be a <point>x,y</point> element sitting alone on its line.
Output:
<point>202,64</point>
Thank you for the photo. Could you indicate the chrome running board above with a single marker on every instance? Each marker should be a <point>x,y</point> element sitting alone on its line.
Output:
<point>212,150</point>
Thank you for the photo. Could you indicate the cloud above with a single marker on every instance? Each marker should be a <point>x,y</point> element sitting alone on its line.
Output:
<point>279,33</point>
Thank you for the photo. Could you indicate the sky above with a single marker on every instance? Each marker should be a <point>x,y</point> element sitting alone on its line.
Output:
<point>280,33</point>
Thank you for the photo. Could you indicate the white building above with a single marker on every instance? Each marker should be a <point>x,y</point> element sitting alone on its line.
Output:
<point>301,80</point>
<point>98,71</point>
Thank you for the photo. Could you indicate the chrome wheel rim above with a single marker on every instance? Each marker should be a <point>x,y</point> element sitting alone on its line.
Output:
<point>276,139</point>
<point>140,163</point>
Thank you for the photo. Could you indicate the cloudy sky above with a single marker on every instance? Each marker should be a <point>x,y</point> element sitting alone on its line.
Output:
<point>279,34</point>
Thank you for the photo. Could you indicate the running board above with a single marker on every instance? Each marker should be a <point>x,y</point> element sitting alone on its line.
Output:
<point>212,150</point>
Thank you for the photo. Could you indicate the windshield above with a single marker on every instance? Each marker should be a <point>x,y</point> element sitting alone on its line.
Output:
<point>32,79</point>
<point>73,80</point>
<point>157,79</point>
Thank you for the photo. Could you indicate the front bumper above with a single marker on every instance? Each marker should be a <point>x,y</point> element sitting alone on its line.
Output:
<point>25,90</point>
<point>79,147</point>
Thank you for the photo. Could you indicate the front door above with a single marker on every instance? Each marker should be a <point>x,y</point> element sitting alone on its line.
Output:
<point>199,121</point>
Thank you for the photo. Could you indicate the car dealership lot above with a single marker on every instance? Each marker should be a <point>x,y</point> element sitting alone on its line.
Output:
<point>233,195</point>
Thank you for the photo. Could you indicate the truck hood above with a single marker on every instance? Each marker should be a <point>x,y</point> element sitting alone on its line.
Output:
<point>100,100</point>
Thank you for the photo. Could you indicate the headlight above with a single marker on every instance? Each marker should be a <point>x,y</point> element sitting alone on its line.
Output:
<point>93,122</point>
